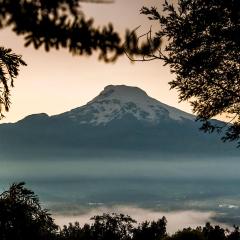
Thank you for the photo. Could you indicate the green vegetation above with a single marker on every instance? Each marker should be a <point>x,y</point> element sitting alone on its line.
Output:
<point>23,218</point>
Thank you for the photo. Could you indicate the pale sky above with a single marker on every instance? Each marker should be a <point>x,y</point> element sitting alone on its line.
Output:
<point>56,82</point>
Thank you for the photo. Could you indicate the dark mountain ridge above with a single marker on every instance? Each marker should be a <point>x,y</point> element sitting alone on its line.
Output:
<point>121,121</point>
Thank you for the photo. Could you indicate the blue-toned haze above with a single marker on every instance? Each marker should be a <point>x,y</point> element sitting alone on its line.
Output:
<point>124,151</point>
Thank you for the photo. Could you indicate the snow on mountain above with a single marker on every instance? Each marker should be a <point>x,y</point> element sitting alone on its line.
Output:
<point>114,102</point>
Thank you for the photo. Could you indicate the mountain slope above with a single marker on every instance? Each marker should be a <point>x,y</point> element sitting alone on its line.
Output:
<point>114,102</point>
<point>120,121</point>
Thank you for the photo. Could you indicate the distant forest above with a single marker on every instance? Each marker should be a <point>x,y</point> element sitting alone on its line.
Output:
<point>23,218</point>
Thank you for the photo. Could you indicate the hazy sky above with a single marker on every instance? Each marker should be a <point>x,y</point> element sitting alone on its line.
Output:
<point>56,82</point>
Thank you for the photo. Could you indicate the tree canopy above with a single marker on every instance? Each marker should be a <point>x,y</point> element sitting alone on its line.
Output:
<point>23,218</point>
<point>201,45</point>
<point>60,24</point>
<point>53,24</point>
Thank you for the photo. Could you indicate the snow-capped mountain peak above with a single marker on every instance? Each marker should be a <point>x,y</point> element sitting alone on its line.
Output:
<point>123,93</point>
<point>114,102</point>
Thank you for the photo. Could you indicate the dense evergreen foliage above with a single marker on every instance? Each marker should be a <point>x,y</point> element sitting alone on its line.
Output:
<point>201,45</point>
<point>22,218</point>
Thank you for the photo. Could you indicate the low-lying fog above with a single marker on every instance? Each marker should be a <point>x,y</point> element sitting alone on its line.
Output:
<point>187,192</point>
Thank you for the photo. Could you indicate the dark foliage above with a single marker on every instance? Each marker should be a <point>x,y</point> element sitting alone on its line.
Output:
<point>188,234</point>
<point>9,68</point>
<point>75,232</point>
<point>112,227</point>
<point>151,230</point>
<point>105,227</point>
<point>59,24</point>
<point>201,44</point>
<point>54,24</point>
<point>22,218</point>
<point>211,232</point>
<point>234,235</point>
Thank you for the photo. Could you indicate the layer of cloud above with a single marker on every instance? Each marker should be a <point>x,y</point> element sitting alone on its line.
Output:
<point>176,219</point>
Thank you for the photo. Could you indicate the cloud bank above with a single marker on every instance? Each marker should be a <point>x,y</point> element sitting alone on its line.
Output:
<point>176,219</point>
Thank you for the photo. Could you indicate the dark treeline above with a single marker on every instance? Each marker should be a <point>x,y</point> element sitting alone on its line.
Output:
<point>23,218</point>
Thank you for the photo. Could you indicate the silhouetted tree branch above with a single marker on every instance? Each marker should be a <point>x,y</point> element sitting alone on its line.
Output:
<point>201,44</point>
<point>9,69</point>
<point>59,24</point>
<point>55,24</point>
